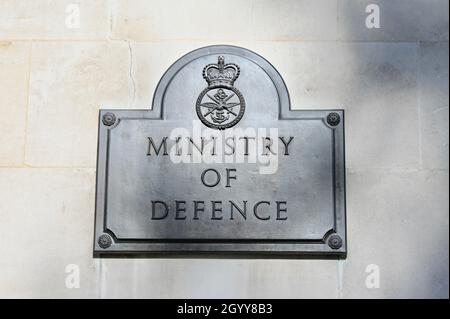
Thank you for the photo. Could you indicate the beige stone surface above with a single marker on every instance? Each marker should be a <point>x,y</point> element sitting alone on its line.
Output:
<point>217,20</point>
<point>434,104</point>
<point>46,19</point>
<point>218,278</point>
<point>397,220</point>
<point>150,61</point>
<point>46,223</point>
<point>14,72</point>
<point>400,20</point>
<point>70,81</point>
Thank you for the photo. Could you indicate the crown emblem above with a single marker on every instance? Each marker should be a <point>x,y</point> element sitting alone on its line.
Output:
<point>220,105</point>
<point>221,74</point>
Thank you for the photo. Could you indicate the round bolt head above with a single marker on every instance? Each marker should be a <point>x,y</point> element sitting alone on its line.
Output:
<point>109,119</point>
<point>334,241</point>
<point>104,241</point>
<point>333,119</point>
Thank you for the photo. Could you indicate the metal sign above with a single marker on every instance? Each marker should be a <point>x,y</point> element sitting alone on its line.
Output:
<point>221,163</point>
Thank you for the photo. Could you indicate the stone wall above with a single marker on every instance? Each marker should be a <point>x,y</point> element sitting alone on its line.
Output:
<point>56,71</point>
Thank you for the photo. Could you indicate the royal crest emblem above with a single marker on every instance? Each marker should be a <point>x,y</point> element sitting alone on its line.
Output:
<point>220,105</point>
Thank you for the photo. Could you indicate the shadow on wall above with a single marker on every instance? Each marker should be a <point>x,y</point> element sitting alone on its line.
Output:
<point>390,89</point>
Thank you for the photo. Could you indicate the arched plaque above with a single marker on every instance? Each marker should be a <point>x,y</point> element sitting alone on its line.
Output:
<point>221,164</point>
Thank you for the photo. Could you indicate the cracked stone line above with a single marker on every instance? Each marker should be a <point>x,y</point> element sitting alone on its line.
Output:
<point>131,75</point>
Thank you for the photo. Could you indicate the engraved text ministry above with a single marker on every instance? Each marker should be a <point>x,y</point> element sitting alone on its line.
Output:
<point>210,146</point>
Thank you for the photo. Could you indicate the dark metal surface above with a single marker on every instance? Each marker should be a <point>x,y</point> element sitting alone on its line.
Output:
<point>147,203</point>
